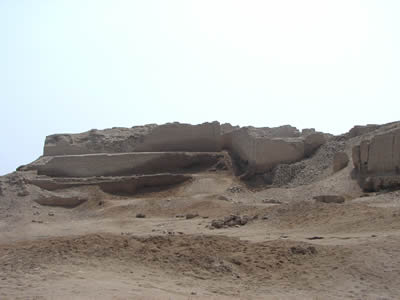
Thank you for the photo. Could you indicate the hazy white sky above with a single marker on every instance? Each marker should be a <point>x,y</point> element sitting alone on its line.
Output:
<point>74,65</point>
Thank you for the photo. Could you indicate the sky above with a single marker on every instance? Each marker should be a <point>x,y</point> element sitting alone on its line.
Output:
<point>74,65</point>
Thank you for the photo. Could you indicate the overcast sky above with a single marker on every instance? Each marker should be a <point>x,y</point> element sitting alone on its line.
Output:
<point>70,66</point>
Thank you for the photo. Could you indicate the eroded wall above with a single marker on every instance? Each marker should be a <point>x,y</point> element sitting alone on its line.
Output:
<point>150,138</point>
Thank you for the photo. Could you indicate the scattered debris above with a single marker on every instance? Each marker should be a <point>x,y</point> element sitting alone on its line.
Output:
<point>230,221</point>
<point>235,189</point>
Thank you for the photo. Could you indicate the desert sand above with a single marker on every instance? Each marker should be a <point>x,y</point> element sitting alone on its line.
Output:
<point>164,242</point>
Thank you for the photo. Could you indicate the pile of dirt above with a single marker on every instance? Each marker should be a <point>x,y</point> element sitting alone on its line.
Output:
<point>192,255</point>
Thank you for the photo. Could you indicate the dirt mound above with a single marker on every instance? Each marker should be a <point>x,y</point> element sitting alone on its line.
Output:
<point>189,255</point>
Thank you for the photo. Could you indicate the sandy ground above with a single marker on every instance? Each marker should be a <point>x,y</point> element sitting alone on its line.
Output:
<point>296,249</point>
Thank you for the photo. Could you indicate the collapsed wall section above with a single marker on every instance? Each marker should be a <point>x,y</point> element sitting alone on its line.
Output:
<point>271,152</point>
<point>126,164</point>
<point>260,153</point>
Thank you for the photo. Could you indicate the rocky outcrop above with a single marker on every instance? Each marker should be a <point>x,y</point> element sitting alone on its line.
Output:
<point>377,160</point>
<point>125,164</point>
<point>149,138</point>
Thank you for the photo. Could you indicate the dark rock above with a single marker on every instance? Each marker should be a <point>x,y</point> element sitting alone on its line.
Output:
<point>329,199</point>
<point>24,192</point>
<point>236,261</point>
<point>315,238</point>
<point>140,215</point>
<point>365,195</point>
<point>217,223</point>
<point>191,216</point>
<point>271,201</point>
<point>223,198</point>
